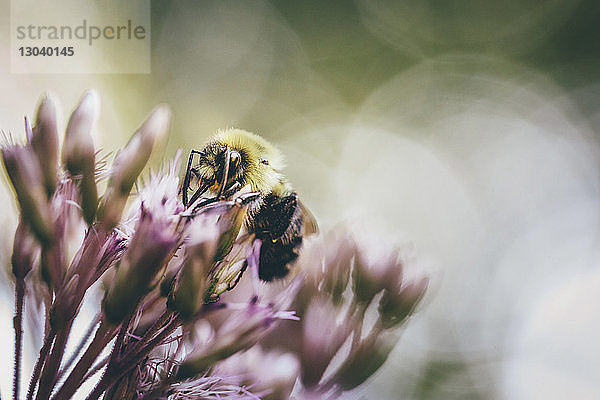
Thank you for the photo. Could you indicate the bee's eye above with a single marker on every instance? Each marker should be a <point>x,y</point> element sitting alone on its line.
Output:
<point>234,159</point>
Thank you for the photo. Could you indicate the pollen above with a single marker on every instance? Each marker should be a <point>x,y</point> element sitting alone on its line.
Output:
<point>215,186</point>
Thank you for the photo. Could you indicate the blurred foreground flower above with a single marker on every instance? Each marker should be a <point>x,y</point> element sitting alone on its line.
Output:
<point>172,331</point>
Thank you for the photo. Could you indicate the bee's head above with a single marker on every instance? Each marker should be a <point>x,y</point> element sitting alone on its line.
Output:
<point>232,156</point>
<point>217,168</point>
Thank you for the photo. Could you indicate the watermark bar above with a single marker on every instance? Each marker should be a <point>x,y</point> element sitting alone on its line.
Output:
<point>80,36</point>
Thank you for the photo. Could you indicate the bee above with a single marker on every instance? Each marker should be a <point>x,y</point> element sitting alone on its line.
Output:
<point>234,158</point>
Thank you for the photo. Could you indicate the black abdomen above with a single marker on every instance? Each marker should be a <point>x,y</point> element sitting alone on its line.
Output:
<point>278,224</point>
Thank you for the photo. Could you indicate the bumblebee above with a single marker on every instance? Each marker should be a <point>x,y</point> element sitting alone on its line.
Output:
<point>234,158</point>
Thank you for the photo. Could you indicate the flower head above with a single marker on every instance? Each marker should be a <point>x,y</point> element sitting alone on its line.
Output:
<point>129,163</point>
<point>79,154</point>
<point>165,268</point>
<point>150,249</point>
<point>26,177</point>
<point>44,141</point>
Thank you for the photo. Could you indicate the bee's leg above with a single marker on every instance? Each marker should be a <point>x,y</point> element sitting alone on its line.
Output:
<point>225,176</point>
<point>186,180</point>
<point>228,192</point>
<point>203,187</point>
<point>254,266</point>
<point>246,198</point>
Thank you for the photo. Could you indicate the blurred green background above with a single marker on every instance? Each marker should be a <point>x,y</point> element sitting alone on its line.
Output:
<point>467,128</point>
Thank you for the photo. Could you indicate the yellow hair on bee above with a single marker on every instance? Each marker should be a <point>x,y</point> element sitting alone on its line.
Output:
<point>233,159</point>
<point>262,162</point>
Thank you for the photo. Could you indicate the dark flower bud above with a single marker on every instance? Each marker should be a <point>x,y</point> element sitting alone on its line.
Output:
<point>44,141</point>
<point>151,247</point>
<point>339,249</point>
<point>79,155</point>
<point>323,336</point>
<point>23,169</point>
<point>25,250</point>
<point>396,305</point>
<point>364,361</point>
<point>129,163</point>
<point>67,303</point>
<point>374,271</point>
<point>189,294</point>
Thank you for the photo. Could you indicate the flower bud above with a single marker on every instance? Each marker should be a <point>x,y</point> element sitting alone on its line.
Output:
<point>44,141</point>
<point>374,272</point>
<point>339,250</point>
<point>25,250</point>
<point>167,283</point>
<point>364,361</point>
<point>151,247</point>
<point>396,305</point>
<point>53,264</point>
<point>129,163</point>
<point>276,375</point>
<point>322,338</point>
<point>228,270</point>
<point>67,304</point>
<point>79,155</point>
<point>272,374</point>
<point>238,333</point>
<point>23,169</point>
<point>189,294</point>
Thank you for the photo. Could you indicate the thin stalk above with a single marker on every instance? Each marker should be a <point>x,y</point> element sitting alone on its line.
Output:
<point>97,367</point>
<point>85,338</point>
<point>48,340</point>
<point>131,359</point>
<point>160,322</point>
<point>52,365</point>
<point>116,352</point>
<point>358,317</point>
<point>99,388</point>
<point>356,335</point>
<point>174,324</point>
<point>103,336</point>
<point>18,326</point>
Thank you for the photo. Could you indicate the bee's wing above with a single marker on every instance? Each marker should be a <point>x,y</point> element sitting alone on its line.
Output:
<point>309,221</point>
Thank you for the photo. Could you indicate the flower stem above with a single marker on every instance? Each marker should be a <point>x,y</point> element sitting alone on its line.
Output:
<point>358,316</point>
<point>115,371</point>
<point>103,336</point>
<point>48,340</point>
<point>114,355</point>
<point>97,367</point>
<point>52,364</point>
<point>160,322</point>
<point>18,326</point>
<point>88,334</point>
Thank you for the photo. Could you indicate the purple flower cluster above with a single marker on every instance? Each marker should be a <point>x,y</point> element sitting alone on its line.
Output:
<point>175,327</point>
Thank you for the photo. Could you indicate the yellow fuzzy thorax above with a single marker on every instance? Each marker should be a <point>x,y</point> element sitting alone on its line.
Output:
<point>263,162</point>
